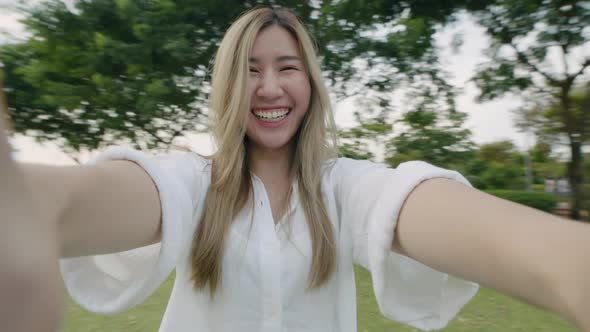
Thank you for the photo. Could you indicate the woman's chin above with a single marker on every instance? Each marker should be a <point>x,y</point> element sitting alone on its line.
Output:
<point>271,142</point>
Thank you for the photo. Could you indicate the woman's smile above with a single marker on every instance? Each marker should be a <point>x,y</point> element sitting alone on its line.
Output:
<point>271,116</point>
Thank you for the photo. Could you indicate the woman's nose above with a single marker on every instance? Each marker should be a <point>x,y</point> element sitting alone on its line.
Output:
<point>270,87</point>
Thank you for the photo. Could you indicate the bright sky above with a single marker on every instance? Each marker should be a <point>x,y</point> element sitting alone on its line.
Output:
<point>489,121</point>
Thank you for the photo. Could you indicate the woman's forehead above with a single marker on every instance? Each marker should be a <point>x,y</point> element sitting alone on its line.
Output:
<point>276,44</point>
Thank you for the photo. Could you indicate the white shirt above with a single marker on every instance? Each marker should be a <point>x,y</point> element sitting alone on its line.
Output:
<point>265,267</point>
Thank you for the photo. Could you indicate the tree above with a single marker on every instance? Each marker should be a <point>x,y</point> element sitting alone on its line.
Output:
<point>430,127</point>
<point>432,136</point>
<point>586,204</point>
<point>497,165</point>
<point>137,70</point>
<point>360,142</point>
<point>524,36</point>
<point>544,164</point>
<point>112,70</point>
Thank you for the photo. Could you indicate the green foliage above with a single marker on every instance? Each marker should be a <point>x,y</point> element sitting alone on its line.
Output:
<point>430,136</point>
<point>496,165</point>
<point>137,70</point>
<point>430,131</point>
<point>500,175</point>
<point>523,35</point>
<point>108,72</point>
<point>496,78</point>
<point>544,165</point>
<point>357,141</point>
<point>541,152</point>
<point>538,200</point>
<point>501,151</point>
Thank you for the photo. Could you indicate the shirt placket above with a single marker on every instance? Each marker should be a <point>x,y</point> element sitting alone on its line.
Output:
<point>270,263</point>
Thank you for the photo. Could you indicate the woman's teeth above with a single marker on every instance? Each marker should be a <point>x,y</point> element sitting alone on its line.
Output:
<point>272,116</point>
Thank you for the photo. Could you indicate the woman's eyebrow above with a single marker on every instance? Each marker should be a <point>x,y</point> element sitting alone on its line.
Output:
<point>288,58</point>
<point>281,58</point>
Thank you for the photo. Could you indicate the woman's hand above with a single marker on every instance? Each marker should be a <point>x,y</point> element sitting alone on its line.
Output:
<point>30,285</point>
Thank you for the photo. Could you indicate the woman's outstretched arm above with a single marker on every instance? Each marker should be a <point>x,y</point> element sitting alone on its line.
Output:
<point>528,254</point>
<point>103,208</point>
<point>30,286</point>
<point>47,212</point>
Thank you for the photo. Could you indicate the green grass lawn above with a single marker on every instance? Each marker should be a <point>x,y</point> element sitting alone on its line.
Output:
<point>488,311</point>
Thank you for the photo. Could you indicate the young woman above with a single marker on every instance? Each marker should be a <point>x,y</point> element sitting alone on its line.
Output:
<point>264,233</point>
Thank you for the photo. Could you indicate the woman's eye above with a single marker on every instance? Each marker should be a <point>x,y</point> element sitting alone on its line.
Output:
<point>253,70</point>
<point>289,68</point>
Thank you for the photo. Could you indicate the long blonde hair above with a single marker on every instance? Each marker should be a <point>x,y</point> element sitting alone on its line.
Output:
<point>231,186</point>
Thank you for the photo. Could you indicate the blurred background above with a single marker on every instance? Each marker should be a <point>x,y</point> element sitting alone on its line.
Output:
<point>498,90</point>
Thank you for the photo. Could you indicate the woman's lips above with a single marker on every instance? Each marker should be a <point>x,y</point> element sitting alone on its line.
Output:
<point>271,117</point>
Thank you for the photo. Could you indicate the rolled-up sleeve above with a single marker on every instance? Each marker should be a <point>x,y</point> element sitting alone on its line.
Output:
<point>108,284</point>
<point>370,197</point>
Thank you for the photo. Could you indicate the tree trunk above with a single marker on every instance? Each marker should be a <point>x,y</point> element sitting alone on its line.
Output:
<point>575,174</point>
<point>4,110</point>
<point>575,170</point>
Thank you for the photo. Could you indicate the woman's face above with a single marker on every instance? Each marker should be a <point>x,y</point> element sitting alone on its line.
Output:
<point>279,88</point>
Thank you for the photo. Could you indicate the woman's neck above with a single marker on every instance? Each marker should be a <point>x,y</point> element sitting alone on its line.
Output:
<point>270,164</point>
